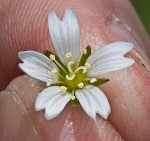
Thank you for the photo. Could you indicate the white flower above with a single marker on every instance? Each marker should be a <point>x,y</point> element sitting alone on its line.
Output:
<point>70,76</point>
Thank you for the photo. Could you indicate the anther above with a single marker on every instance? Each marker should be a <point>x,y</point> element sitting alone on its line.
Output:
<point>87,65</point>
<point>73,97</point>
<point>52,57</point>
<point>85,51</point>
<point>54,70</point>
<point>68,55</point>
<point>81,85</point>
<point>48,84</point>
<point>93,80</point>
<point>63,88</point>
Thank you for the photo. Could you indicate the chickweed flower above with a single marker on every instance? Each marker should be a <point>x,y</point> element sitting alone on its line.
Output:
<point>71,75</point>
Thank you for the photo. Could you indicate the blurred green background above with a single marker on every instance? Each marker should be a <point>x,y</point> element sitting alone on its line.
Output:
<point>143,9</point>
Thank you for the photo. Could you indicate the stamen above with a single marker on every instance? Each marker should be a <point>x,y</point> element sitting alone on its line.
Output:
<point>85,55</point>
<point>48,84</point>
<point>81,68</point>
<point>81,85</point>
<point>63,88</point>
<point>52,57</point>
<point>87,65</point>
<point>54,70</point>
<point>73,97</point>
<point>85,51</point>
<point>68,55</point>
<point>69,66</point>
<point>70,77</point>
<point>93,80</point>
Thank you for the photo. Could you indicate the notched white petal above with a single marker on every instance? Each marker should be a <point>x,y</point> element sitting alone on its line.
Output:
<point>65,35</point>
<point>110,66</point>
<point>110,58</point>
<point>38,66</point>
<point>93,101</point>
<point>53,100</point>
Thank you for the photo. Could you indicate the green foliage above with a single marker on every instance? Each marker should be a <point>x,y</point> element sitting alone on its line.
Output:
<point>143,10</point>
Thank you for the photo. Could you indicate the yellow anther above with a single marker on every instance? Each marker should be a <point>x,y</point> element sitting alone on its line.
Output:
<point>52,57</point>
<point>68,55</point>
<point>81,85</point>
<point>73,97</point>
<point>54,70</point>
<point>85,51</point>
<point>93,80</point>
<point>63,88</point>
<point>87,65</point>
<point>48,84</point>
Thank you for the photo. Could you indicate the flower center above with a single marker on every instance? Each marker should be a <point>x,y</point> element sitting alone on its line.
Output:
<point>76,78</point>
<point>73,76</point>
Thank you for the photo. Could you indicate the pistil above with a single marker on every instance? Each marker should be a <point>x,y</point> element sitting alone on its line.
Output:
<point>69,66</point>
<point>70,77</point>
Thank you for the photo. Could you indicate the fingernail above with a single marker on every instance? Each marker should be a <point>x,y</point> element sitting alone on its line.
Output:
<point>120,30</point>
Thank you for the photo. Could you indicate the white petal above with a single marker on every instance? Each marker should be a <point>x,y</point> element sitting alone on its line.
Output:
<point>65,35</point>
<point>93,101</point>
<point>110,58</point>
<point>53,100</point>
<point>38,66</point>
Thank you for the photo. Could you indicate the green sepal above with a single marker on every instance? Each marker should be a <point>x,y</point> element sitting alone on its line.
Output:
<point>100,82</point>
<point>75,102</point>
<point>47,53</point>
<point>84,57</point>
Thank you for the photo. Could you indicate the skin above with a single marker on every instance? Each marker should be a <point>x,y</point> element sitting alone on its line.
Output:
<point>23,26</point>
